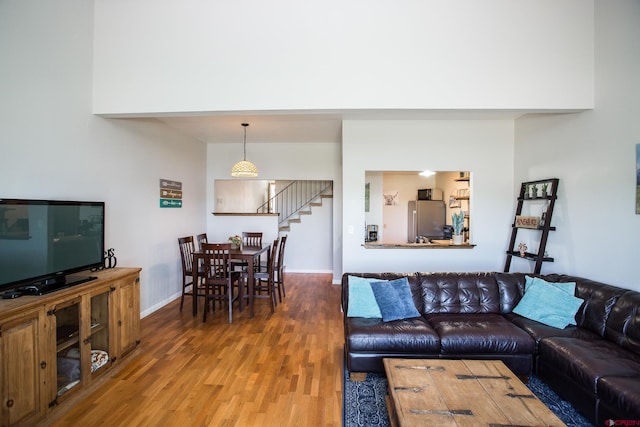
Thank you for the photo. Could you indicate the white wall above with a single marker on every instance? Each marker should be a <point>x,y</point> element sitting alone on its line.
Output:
<point>593,154</point>
<point>193,55</point>
<point>483,147</point>
<point>52,147</point>
<point>313,245</point>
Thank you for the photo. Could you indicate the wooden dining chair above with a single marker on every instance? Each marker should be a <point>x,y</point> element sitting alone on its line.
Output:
<point>201,238</point>
<point>219,280</point>
<point>252,238</point>
<point>195,290</point>
<point>278,280</point>
<point>264,280</point>
<point>249,239</point>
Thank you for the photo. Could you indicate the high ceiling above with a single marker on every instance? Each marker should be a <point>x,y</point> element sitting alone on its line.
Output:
<point>304,127</point>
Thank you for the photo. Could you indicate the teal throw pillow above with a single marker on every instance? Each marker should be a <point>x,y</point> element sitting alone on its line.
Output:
<point>362,302</point>
<point>568,287</point>
<point>549,305</point>
<point>394,299</point>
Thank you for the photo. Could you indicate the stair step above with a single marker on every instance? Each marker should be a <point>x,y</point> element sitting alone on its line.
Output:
<point>296,217</point>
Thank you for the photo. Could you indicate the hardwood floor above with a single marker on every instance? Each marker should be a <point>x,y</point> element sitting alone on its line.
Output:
<point>282,369</point>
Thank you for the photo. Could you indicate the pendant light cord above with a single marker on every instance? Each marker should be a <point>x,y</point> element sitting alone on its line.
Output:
<point>245,139</point>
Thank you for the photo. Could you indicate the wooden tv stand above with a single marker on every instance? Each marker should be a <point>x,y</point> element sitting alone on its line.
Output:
<point>58,347</point>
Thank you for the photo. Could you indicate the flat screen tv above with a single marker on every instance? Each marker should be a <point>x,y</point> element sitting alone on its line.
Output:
<point>44,241</point>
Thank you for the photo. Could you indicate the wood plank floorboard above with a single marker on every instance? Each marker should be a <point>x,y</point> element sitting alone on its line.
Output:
<point>281,369</point>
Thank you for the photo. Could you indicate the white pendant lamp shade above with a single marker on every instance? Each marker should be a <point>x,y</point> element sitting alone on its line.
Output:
<point>244,168</point>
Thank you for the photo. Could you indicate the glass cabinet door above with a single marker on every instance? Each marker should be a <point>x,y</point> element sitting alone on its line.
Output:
<point>99,333</point>
<point>68,349</point>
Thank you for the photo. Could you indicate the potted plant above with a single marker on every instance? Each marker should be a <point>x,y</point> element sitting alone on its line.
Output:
<point>545,186</point>
<point>235,241</point>
<point>457,222</point>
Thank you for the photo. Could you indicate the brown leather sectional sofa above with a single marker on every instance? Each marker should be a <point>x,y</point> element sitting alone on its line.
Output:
<point>595,364</point>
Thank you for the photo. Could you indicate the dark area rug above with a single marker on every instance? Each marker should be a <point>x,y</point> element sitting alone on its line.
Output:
<point>364,402</point>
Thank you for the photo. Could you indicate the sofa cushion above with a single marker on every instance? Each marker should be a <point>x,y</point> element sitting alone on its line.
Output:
<point>618,398</point>
<point>548,305</point>
<point>623,325</point>
<point>539,331</point>
<point>511,288</point>
<point>394,299</point>
<point>411,277</point>
<point>402,336</point>
<point>599,300</point>
<point>459,293</point>
<point>479,333</point>
<point>586,361</point>
<point>362,302</point>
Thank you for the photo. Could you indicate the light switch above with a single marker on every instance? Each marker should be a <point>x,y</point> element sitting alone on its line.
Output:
<point>350,229</point>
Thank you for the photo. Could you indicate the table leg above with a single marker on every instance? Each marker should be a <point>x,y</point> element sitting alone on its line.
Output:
<point>250,284</point>
<point>194,287</point>
<point>240,291</point>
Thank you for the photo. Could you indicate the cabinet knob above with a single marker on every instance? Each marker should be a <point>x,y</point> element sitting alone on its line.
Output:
<point>43,364</point>
<point>9,403</point>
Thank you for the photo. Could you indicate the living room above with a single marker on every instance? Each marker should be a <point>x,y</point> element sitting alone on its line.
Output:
<point>49,131</point>
<point>56,144</point>
<point>59,149</point>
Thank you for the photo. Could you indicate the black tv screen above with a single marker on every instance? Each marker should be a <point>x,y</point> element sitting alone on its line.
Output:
<point>42,240</point>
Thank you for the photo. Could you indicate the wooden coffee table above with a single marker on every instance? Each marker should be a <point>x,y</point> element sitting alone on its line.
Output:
<point>436,392</point>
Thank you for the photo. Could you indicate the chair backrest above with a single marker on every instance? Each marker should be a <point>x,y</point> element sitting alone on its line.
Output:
<point>271,268</point>
<point>283,240</point>
<point>186,254</point>
<point>252,238</point>
<point>216,261</point>
<point>201,238</point>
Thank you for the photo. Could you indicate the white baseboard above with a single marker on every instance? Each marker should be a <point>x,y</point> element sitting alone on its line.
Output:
<point>333,282</point>
<point>161,304</point>
<point>287,270</point>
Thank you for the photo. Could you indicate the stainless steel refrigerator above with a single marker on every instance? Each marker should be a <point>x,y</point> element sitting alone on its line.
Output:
<point>426,219</point>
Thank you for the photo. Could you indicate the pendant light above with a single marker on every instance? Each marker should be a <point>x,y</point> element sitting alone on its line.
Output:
<point>244,168</point>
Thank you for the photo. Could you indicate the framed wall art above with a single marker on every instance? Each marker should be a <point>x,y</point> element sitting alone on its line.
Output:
<point>367,195</point>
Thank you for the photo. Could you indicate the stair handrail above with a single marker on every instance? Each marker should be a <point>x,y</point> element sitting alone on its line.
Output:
<point>294,197</point>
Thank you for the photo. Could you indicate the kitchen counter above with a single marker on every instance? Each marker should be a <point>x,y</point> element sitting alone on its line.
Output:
<point>435,244</point>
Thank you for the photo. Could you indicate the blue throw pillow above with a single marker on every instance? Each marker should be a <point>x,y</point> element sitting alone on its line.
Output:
<point>549,305</point>
<point>394,299</point>
<point>568,287</point>
<point>362,302</point>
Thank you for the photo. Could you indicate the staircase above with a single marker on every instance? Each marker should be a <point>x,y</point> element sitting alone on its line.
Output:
<point>296,200</point>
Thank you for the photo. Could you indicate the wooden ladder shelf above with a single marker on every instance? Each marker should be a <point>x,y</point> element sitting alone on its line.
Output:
<point>542,224</point>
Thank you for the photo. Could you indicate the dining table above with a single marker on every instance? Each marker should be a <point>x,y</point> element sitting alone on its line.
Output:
<point>251,255</point>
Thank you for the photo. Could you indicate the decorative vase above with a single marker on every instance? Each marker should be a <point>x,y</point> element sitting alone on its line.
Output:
<point>522,248</point>
<point>457,239</point>
<point>234,246</point>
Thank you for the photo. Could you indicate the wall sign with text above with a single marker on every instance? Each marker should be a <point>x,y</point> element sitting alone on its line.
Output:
<point>527,221</point>
<point>170,193</point>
